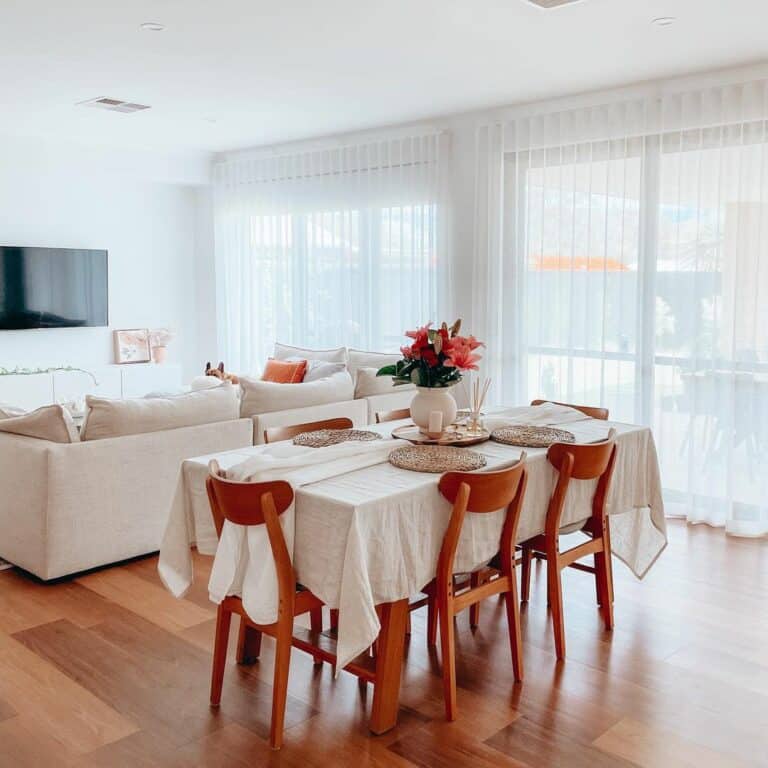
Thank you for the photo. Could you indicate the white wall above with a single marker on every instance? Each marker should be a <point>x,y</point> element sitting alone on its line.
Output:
<point>143,208</point>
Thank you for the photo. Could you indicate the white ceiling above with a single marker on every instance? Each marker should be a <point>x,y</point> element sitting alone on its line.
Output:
<point>289,69</point>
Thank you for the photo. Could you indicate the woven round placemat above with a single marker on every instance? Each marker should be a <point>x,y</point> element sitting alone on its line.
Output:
<point>531,437</point>
<point>436,458</point>
<point>320,438</point>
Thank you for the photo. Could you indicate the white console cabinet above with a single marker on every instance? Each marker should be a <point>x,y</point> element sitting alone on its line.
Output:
<point>136,380</point>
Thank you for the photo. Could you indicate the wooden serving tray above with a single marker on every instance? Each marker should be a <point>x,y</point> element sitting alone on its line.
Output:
<point>454,435</point>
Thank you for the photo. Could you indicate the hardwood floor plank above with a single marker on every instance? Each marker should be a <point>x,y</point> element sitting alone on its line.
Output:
<point>6,710</point>
<point>150,601</point>
<point>24,745</point>
<point>655,748</point>
<point>436,748</point>
<point>25,603</point>
<point>537,745</point>
<point>59,708</point>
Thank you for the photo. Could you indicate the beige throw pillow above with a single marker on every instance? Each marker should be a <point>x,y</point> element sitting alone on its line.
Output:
<point>268,396</point>
<point>51,422</point>
<point>115,418</point>
<point>368,384</point>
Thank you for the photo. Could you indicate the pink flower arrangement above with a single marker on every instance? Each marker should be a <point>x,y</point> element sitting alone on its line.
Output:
<point>436,358</point>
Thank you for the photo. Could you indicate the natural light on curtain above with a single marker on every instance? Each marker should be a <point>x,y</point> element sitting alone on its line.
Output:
<point>627,246</point>
<point>339,247</point>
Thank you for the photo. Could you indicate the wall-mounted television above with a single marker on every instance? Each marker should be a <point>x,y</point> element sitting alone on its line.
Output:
<point>52,288</point>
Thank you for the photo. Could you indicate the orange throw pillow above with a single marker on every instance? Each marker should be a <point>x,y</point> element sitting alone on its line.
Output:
<point>282,372</point>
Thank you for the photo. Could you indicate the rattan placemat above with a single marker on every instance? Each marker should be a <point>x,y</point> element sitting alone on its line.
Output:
<point>323,437</point>
<point>531,437</point>
<point>436,458</point>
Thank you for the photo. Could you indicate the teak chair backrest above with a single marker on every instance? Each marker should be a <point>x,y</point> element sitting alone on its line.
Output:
<point>275,434</point>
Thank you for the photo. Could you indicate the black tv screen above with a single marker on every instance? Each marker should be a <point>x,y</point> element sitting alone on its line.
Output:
<point>52,288</point>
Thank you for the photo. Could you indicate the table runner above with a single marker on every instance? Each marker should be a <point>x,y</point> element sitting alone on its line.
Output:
<point>373,535</point>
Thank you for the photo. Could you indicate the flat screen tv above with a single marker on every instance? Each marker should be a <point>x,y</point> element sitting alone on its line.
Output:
<point>52,288</point>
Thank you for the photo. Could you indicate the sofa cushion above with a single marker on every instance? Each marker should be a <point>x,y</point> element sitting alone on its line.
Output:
<point>284,371</point>
<point>318,369</point>
<point>361,359</point>
<point>115,418</point>
<point>51,422</point>
<point>286,352</point>
<point>267,396</point>
<point>368,384</point>
<point>9,411</point>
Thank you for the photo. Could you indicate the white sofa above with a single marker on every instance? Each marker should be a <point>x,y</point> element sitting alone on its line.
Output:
<point>67,506</point>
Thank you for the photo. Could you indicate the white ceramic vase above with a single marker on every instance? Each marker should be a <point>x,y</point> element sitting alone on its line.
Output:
<point>429,399</point>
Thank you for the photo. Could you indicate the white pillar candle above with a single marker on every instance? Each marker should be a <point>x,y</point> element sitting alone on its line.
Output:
<point>435,423</point>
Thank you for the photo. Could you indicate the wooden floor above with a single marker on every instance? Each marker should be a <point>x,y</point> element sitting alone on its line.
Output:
<point>110,670</point>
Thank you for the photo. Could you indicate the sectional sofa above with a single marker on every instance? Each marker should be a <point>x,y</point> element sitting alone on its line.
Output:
<point>70,502</point>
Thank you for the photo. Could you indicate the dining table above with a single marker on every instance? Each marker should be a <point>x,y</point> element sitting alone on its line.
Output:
<point>365,535</point>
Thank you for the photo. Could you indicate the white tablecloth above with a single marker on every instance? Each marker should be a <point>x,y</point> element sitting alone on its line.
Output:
<point>373,535</point>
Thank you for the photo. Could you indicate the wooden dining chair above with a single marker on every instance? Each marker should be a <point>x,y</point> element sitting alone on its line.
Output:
<point>252,504</point>
<point>575,462</point>
<point>478,492</point>
<point>588,410</point>
<point>400,413</point>
<point>275,434</point>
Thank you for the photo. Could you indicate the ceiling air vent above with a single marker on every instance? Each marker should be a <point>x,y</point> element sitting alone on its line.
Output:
<point>552,3</point>
<point>113,105</point>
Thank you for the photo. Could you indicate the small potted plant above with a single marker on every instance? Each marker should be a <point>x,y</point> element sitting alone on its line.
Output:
<point>159,338</point>
<point>434,363</point>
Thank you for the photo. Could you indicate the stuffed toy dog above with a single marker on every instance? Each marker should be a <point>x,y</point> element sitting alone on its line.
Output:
<point>219,373</point>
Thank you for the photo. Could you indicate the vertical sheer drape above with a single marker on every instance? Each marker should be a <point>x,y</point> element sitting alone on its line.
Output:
<point>625,247</point>
<point>339,247</point>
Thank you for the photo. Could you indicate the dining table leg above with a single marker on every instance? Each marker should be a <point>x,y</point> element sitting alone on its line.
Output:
<point>389,666</point>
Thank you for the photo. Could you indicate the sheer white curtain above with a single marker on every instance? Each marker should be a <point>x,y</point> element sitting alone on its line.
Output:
<point>624,246</point>
<point>337,247</point>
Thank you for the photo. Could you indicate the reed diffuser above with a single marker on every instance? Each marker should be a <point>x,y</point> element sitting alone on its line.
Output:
<point>479,392</point>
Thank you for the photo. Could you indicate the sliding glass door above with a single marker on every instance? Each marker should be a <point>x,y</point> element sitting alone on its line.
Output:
<point>643,274</point>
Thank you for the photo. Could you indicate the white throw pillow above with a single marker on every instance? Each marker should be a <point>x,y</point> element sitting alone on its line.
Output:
<point>369,384</point>
<point>205,382</point>
<point>51,422</point>
<point>268,396</point>
<point>285,352</point>
<point>318,369</point>
<point>115,418</point>
<point>10,411</point>
<point>359,359</point>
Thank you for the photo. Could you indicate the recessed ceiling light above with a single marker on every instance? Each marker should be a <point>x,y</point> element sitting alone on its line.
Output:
<point>664,21</point>
<point>152,26</point>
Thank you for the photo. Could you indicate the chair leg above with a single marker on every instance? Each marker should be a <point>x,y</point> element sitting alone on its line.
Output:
<point>223,621</point>
<point>316,625</point>
<point>604,577</point>
<point>602,582</point>
<point>448,653</point>
<point>598,593</point>
<point>555,591</point>
<point>280,685</point>
<point>513,621</point>
<point>334,618</point>
<point>474,610</point>
<point>248,643</point>
<point>526,573</point>
<point>432,621</point>
<point>408,624</point>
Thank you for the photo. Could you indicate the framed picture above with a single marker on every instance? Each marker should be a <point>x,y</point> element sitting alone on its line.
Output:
<point>132,346</point>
